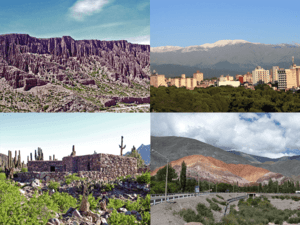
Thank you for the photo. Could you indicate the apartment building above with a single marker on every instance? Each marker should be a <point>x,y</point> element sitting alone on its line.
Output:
<point>274,74</point>
<point>260,75</point>
<point>190,83</point>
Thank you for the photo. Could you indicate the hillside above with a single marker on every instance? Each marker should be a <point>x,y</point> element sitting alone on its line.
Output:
<point>83,75</point>
<point>176,148</point>
<point>214,170</point>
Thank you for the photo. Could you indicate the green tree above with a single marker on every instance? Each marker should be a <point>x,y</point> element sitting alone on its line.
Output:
<point>297,186</point>
<point>183,176</point>
<point>134,153</point>
<point>161,174</point>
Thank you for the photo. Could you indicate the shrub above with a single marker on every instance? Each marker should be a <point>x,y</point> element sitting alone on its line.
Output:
<point>144,178</point>
<point>220,197</point>
<point>109,187</point>
<point>53,185</point>
<point>72,177</point>
<point>24,170</point>
<point>2,176</point>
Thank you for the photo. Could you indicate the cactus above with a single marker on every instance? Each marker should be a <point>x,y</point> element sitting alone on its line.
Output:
<point>121,146</point>
<point>30,156</point>
<point>39,155</point>
<point>53,157</point>
<point>15,159</point>
<point>27,159</point>
<point>19,159</point>
<point>50,157</point>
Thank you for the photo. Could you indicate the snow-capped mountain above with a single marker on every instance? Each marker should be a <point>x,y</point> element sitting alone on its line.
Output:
<point>224,56</point>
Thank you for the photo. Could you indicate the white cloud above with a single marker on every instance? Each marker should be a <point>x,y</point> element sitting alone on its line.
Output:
<point>142,40</point>
<point>84,8</point>
<point>231,131</point>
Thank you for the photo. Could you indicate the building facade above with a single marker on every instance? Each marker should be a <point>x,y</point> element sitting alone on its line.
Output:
<point>260,75</point>
<point>190,83</point>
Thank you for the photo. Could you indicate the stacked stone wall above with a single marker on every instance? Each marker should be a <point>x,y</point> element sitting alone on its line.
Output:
<point>97,166</point>
<point>45,166</point>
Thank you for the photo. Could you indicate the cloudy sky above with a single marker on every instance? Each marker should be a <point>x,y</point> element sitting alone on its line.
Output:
<point>56,133</point>
<point>194,22</point>
<point>80,19</point>
<point>269,135</point>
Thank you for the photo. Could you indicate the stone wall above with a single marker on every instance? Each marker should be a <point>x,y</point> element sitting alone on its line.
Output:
<point>45,166</point>
<point>109,166</point>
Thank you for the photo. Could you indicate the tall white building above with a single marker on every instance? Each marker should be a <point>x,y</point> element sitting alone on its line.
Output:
<point>260,75</point>
<point>275,74</point>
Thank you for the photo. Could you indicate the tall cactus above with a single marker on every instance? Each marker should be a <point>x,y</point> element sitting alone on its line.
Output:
<point>30,156</point>
<point>15,159</point>
<point>9,159</point>
<point>39,155</point>
<point>19,159</point>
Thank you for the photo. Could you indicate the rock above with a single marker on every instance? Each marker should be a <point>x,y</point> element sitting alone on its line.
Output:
<point>85,205</point>
<point>22,191</point>
<point>103,221</point>
<point>134,212</point>
<point>34,58</point>
<point>103,205</point>
<point>127,213</point>
<point>35,183</point>
<point>122,210</point>
<point>76,214</point>
<point>47,179</point>
<point>75,223</point>
<point>54,221</point>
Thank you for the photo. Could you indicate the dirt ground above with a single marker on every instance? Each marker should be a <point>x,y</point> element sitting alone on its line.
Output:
<point>163,212</point>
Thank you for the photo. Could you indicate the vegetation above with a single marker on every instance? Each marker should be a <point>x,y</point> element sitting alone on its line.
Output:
<point>16,209</point>
<point>144,178</point>
<point>24,170</point>
<point>142,206</point>
<point>134,153</point>
<point>213,205</point>
<point>259,211</point>
<point>183,176</point>
<point>174,186</point>
<point>204,215</point>
<point>54,185</point>
<point>72,177</point>
<point>223,99</point>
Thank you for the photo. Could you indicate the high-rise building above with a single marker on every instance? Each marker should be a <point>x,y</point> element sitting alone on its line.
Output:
<point>281,79</point>
<point>260,75</point>
<point>275,74</point>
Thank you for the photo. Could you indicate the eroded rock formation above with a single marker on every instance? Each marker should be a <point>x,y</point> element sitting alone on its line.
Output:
<point>27,61</point>
<point>213,170</point>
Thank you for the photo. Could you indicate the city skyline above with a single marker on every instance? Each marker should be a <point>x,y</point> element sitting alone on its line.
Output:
<point>81,19</point>
<point>196,22</point>
<point>262,134</point>
<point>57,133</point>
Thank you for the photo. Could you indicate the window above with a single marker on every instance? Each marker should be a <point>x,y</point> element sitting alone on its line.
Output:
<point>52,168</point>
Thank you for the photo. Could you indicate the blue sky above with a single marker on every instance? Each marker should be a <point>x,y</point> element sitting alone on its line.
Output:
<point>265,134</point>
<point>57,133</point>
<point>80,19</point>
<point>196,22</point>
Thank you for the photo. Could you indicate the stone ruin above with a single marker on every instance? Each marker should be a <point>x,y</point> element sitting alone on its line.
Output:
<point>94,166</point>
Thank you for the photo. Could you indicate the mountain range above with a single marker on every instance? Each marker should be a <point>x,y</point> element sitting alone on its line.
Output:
<point>222,57</point>
<point>218,165</point>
